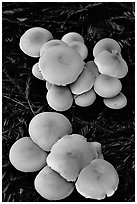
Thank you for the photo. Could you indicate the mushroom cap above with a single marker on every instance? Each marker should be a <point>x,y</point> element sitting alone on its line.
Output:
<point>50,185</point>
<point>50,44</point>
<point>61,65</point>
<point>80,48</point>
<point>111,63</point>
<point>97,146</point>
<point>36,72</point>
<point>59,98</point>
<point>84,82</point>
<point>32,40</point>
<point>97,180</point>
<point>48,85</point>
<point>107,86</point>
<point>108,44</point>
<point>85,99</point>
<point>47,127</point>
<point>93,67</point>
<point>117,102</point>
<point>26,156</point>
<point>70,154</point>
<point>72,36</point>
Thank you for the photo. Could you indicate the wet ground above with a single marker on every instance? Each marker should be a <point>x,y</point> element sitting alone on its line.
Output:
<point>24,95</point>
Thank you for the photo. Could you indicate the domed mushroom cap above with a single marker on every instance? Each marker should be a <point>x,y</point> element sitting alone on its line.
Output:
<point>59,98</point>
<point>47,127</point>
<point>72,36</point>
<point>32,40</point>
<point>111,63</point>
<point>93,67</point>
<point>36,72</point>
<point>107,86</point>
<point>50,185</point>
<point>97,180</point>
<point>85,99</point>
<point>108,44</point>
<point>80,48</point>
<point>69,155</point>
<point>26,156</point>
<point>117,102</point>
<point>50,44</point>
<point>84,82</point>
<point>61,65</point>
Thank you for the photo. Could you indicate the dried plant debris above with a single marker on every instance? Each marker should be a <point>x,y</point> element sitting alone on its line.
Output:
<point>24,95</point>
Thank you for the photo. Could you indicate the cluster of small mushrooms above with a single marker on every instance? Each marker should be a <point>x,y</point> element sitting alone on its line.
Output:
<point>65,160</point>
<point>68,77</point>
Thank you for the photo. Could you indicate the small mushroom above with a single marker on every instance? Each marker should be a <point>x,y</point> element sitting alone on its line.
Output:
<point>70,155</point>
<point>72,36</point>
<point>111,63</point>
<point>85,99</point>
<point>59,98</point>
<point>80,48</point>
<point>61,65</point>
<point>116,102</point>
<point>26,156</point>
<point>47,127</point>
<point>93,67</point>
<point>36,72</point>
<point>97,146</point>
<point>107,86</point>
<point>32,40</point>
<point>108,44</point>
<point>97,180</point>
<point>50,44</point>
<point>84,82</point>
<point>48,85</point>
<point>51,186</point>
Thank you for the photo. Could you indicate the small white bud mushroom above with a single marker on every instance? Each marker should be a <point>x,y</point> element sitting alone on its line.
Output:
<point>26,156</point>
<point>51,186</point>
<point>36,72</point>
<point>108,44</point>
<point>47,127</point>
<point>61,65</point>
<point>70,155</point>
<point>107,86</point>
<point>97,180</point>
<point>116,102</point>
<point>59,98</point>
<point>32,40</point>
<point>72,36</point>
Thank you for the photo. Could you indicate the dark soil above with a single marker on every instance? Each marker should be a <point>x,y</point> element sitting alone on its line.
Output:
<point>25,96</point>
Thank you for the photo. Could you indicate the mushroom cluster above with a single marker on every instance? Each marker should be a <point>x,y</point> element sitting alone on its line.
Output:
<point>65,160</point>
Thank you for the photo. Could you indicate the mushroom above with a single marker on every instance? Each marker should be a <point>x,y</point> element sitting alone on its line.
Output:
<point>59,98</point>
<point>47,127</point>
<point>93,67</point>
<point>50,185</point>
<point>97,180</point>
<point>48,85</point>
<point>36,72</point>
<point>32,40</point>
<point>116,102</point>
<point>70,155</point>
<point>80,48</point>
<point>97,146</point>
<point>107,86</point>
<point>84,82</point>
<point>61,65</point>
<point>72,36</point>
<point>111,63</point>
<point>108,44</point>
<point>26,156</point>
<point>85,99</point>
<point>50,44</point>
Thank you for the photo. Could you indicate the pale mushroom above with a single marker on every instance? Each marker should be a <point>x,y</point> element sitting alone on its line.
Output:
<point>97,180</point>
<point>47,127</point>
<point>93,67</point>
<point>36,72</point>
<point>26,156</point>
<point>72,36</point>
<point>80,48</point>
<point>51,186</point>
<point>32,40</point>
<point>48,85</point>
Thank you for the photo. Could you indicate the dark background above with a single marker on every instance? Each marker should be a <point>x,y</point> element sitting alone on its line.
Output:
<point>25,96</point>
